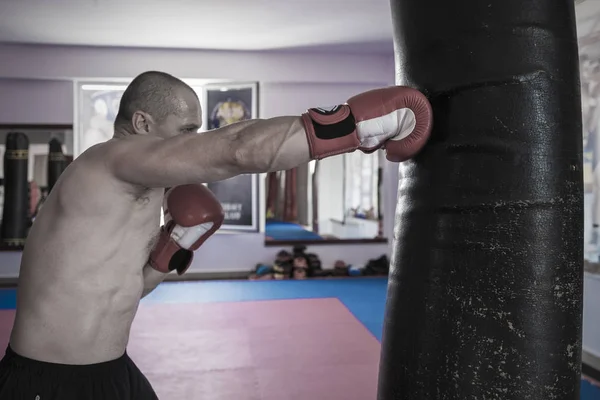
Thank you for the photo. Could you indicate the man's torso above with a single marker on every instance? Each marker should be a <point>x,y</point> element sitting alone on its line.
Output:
<point>81,274</point>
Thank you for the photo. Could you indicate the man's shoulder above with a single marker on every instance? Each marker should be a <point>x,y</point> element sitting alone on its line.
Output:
<point>99,150</point>
<point>115,159</point>
<point>101,155</point>
<point>91,180</point>
<point>90,162</point>
<point>118,148</point>
<point>93,165</point>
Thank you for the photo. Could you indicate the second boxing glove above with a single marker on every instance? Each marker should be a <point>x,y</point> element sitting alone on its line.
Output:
<point>192,215</point>
<point>397,118</point>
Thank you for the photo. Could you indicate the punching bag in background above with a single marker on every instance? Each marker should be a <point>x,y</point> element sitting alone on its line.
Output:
<point>15,215</point>
<point>57,162</point>
<point>485,290</point>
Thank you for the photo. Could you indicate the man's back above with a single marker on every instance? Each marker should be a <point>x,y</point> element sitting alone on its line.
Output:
<point>81,273</point>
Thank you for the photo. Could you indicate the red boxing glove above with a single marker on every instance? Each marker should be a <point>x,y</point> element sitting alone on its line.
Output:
<point>192,215</point>
<point>397,118</point>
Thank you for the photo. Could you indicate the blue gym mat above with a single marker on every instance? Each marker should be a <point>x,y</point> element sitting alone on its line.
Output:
<point>279,230</point>
<point>364,297</point>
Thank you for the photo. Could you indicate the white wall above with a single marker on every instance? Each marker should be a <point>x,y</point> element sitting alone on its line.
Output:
<point>40,77</point>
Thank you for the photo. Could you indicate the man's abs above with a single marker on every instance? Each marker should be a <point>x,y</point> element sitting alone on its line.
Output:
<point>75,319</point>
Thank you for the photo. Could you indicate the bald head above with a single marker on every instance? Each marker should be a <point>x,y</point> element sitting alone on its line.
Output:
<point>158,95</point>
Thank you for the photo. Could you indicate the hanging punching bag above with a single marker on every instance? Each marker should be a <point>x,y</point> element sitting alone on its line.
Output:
<point>57,162</point>
<point>485,290</point>
<point>15,215</point>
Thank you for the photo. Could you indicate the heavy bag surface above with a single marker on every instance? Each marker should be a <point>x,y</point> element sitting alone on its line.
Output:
<point>485,291</point>
<point>15,215</point>
<point>57,162</point>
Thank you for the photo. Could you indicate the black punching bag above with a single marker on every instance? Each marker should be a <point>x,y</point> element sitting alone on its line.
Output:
<point>15,215</point>
<point>485,291</point>
<point>57,162</point>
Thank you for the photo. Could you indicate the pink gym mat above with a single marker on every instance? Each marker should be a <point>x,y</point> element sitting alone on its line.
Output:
<point>266,350</point>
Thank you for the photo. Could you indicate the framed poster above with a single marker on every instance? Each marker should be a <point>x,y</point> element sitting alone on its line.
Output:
<point>96,107</point>
<point>225,104</point>
<point>228,103</point>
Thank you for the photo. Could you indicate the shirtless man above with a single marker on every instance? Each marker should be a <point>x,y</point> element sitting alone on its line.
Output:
<point>88,258</point>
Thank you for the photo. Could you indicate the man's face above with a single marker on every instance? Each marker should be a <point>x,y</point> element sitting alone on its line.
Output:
<point>188,121</point>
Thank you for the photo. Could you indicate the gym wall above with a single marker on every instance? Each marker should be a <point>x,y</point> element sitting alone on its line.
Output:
<point>36,87</point>
<point>29,101</point>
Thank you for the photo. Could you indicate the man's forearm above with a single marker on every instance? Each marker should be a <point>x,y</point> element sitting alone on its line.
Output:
<point>266,145</point>
<point>152,278</point>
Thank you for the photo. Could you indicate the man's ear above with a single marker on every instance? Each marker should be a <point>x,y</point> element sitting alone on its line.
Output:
<point>141,122</point>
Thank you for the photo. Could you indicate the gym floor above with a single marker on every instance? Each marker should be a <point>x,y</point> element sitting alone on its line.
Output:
<point>259,340</point>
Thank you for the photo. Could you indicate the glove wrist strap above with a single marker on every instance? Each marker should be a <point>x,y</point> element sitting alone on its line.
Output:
<point>330,131</point>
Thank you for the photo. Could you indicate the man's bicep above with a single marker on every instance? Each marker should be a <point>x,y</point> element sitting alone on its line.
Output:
<point>152,162</point>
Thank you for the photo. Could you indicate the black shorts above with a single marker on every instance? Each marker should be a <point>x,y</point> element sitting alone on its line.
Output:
<point>22,378</point>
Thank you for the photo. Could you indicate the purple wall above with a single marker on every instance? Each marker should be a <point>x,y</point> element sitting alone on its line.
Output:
<point>36,101</point>
<point>60,62</point>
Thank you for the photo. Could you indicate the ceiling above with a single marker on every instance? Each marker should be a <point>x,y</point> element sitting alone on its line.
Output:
<point>328,25</point>
<point>199,24</point>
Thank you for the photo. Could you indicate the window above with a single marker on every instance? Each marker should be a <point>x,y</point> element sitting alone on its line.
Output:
<point>360,185</point>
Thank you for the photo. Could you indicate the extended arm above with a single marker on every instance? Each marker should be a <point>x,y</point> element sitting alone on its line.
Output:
<point>252,146</point>
<point>399,116</point>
